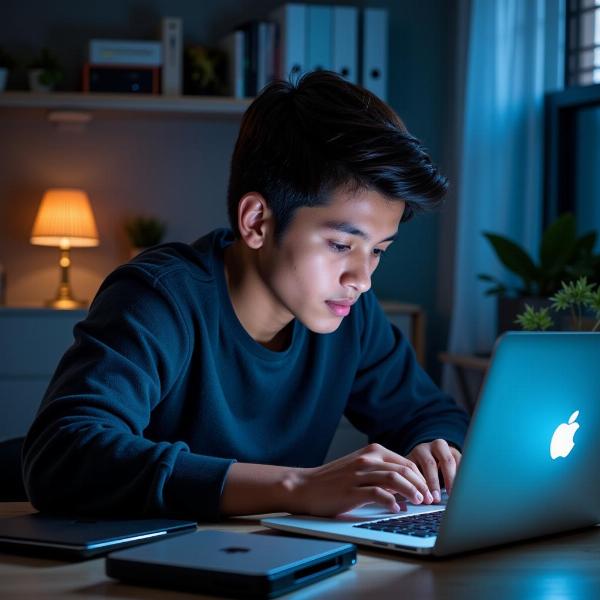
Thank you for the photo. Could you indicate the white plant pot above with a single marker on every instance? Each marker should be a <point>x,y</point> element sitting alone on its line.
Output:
<point>3,78</point>
<point>34,81</point>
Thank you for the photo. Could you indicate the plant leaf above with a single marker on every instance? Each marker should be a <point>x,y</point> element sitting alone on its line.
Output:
<point>584,246</point>
<point>558,245</point>
<point>513,257</point>
<point>498,290</point>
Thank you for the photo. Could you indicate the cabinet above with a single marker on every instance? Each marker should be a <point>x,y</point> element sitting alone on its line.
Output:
<point>32,341</point>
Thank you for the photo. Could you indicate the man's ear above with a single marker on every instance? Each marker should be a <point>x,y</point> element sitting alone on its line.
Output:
<point>255,219</point>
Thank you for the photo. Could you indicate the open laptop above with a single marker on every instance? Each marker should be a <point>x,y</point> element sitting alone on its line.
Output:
<point>530,460</point>
<point>50,535</point>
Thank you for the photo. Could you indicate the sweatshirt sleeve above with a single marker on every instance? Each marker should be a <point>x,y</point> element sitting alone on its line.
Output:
<point>85,452</point>
<point>393,400</point>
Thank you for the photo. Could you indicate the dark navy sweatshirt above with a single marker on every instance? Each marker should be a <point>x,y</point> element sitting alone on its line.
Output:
<point>163,389</point>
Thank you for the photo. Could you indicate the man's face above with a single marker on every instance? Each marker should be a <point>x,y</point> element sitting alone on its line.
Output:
<point>327,256</point>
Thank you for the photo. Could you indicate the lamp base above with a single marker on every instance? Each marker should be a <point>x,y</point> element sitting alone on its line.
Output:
<point>66,303</point>
<point>64,298</point>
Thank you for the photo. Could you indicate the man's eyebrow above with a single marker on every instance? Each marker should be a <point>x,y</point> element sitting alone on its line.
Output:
<point>351,229</point>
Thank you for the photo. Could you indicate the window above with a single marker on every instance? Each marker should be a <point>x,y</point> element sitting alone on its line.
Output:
<point>583,42</point>
<point>572,177</point>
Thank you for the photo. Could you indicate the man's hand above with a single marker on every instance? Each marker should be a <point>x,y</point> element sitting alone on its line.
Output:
<point>371,474</point>
<point>432,457</point>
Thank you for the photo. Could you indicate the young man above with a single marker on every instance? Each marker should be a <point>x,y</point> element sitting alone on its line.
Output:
<point>209,379</point>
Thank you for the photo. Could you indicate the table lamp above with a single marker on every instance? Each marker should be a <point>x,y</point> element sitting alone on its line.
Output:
<point>65,219</point>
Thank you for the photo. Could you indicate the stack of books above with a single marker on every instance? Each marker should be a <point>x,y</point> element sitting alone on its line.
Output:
<point>134,66</point>
<point>295,39</point>
<point>299,38</point>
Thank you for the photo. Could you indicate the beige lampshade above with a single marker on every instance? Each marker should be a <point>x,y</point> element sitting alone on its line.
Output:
<point>65,219</point>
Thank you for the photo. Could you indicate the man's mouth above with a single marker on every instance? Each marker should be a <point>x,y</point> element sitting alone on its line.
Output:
<point>340,308</point>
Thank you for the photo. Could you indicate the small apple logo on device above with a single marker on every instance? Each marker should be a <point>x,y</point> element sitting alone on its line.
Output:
<point>562,441</point>
<point>234,549</point>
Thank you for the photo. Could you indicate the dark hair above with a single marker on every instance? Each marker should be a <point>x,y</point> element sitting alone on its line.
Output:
<point>299,142</point>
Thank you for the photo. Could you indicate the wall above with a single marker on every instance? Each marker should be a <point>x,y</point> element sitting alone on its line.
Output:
<point>177,168</point>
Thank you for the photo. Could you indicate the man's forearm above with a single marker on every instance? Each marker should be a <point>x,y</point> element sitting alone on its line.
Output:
<point>257,489</point>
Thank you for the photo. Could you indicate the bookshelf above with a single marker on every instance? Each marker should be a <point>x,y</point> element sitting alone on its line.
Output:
<point>221,106</point>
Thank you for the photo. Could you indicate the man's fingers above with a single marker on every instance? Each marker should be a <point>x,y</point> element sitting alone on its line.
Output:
<point>392,457</point>
<point>446,462</point>
<point>429,466</point>
<point>368,494</point>
<point>407,484</point>
<point>457,457</point>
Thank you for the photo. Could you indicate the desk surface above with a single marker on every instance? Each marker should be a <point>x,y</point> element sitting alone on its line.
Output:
<point>564,566</point>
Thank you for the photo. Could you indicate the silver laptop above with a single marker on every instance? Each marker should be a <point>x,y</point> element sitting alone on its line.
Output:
<point>530,461</point>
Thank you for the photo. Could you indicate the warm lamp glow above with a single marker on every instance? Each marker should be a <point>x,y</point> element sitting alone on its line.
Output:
<point>65,219</point>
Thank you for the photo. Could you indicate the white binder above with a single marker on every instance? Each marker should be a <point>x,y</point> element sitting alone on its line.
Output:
<point>233,45</point>
<point>261,63</point>
<point>291,20</point>
<point>172,39</point>
<point>375,43</point>
<point>319,30</point>
<point>266,54</point>
<point>345,42</point>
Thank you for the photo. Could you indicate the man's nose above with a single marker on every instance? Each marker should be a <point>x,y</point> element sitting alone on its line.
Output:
<point>358,276</point>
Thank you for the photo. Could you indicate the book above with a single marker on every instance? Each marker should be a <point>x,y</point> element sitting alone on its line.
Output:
<point>233,46</point>
<point>250,31</point>
<point>319,30</point>
<point>375,34</point>
<point>124,52</point>
<point>172,44</point>
<point>345,42</point>
<point>291,40</point>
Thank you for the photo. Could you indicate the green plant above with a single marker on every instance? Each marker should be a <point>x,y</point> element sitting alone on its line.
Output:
<point>52,72</point>
<point>532,320</point>
<point>563,256</point>
<point>145,231</point>
<point>6,60</point>
<point>578,297</point>
<point>204,70</point>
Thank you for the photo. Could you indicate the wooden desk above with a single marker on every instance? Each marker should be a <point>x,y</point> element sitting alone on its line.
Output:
<point>564,566</point>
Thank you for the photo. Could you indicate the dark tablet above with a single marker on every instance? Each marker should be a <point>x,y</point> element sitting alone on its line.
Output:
<point>232,564</point>
<point>81,538</point>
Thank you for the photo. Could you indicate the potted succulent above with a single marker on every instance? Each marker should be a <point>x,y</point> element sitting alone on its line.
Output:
<point>7,63</point>
<point>563,256</point>
<point>45,72</point>
<point>144,232</point>
<point>580,298</point>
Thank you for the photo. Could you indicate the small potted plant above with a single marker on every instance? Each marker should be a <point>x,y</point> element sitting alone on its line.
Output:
<point>45,72</point>
<point>580,298</point>
<point>7,63</point>
<point>144,232</point>
<point>563,256</point>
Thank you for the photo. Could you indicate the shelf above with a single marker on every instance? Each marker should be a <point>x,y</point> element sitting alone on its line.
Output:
<point>130,103</point>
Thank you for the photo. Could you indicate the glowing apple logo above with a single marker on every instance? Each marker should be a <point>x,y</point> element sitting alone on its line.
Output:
<point>562,441</point>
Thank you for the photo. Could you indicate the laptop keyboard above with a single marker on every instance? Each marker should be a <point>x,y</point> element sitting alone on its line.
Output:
<point>421,525</point>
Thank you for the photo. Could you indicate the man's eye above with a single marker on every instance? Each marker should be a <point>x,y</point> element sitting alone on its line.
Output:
<point>338,247</point>
<point>378,252</point>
